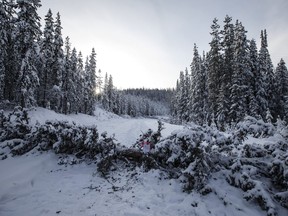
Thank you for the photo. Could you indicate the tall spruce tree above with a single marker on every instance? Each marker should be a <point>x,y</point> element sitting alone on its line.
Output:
<point>186,96</point>
<point>73,95</point>
<point>27,34</point>
<point>241,73</point>
<point>57,67</point>
<point>214,69</point>
<point>47,50</point>
<point>80,83</point>
<point>91,82</point>
<point>66,78</point>
<point>257,84</point>
<point>198,89</point>
<point>105,100</point>
<point>5,18</point>
<point>183,97</point>
<point>8,52</point>
<point>281,81</point>
<point>266,70</point>
<point>111,95</point>
<point>99,85</point>
<point>174,101</point>
<point>227,46</point>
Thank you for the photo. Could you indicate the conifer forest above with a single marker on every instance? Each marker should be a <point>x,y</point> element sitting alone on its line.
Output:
<point>232,80</point>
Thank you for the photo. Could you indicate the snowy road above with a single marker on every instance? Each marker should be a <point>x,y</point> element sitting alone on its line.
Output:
<point>126,130</point>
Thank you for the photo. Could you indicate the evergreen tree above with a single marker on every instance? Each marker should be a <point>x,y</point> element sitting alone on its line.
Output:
<point>122,104</point>
<point>281,81</point>
<point>118,103</point>
<point>227,44</point>
<point>241,74</point>
<point>7,51</point>
<point>111,95</point>
<point>186,96</point>
<point>91,82</point>
<point>28,81</point>
<point>183,96</point>
<point>205,91</point>
<point>198,93</point>
<point>214,69</point>
<point>257,84</point>
<point>111,100</point>
<point>99,85</point>
<point>47,50</point>
<point>131,108</point>
<point>73,95</point>
<point>80,83</point>
<point>27,34</point>
<point>58,67</point>
<point>66,78</point>
<point>5,19</point>
<point>266,70</point>
<point>174,100</point>
<point>86,87</point>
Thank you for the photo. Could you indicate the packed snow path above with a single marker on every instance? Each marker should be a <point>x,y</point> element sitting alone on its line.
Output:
<point>126,130</point>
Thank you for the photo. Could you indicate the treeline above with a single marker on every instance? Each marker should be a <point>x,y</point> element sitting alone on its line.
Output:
<point>161,95</point>
<point>37,68</point>
<point>232,80</point>
<point>135,103</point>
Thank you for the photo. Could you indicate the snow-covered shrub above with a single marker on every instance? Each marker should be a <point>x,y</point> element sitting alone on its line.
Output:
<point>278,166</point>
<point>262,197</point>
<point>240,175</point>
<point>247,174</point>
<point>198,170</point>
<point>254,127</point>
<point>252,151</point>
<point>279,172</point>
<point>282,128</point>
<point>13,130</point>
<point>45,135</point>
<point>261,170</point>
<point>16,125</point>
<point>282,198</point>
<point>69,138</point>
<point>3,119</point>
<point>195,152</point>
<point>176,150</point>
<point>7,105</point>
<point>63,137</point>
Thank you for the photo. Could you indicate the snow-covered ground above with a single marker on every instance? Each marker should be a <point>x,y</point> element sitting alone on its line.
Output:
<point>34,184</point>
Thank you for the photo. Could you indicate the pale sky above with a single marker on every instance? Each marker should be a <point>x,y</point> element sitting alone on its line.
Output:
<point>146,43</point>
